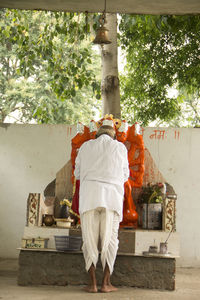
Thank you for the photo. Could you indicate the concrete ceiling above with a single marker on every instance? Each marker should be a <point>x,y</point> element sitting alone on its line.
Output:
<point>179,7</point>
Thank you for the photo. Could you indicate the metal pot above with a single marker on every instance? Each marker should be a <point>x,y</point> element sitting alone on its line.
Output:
<point>48,220</point>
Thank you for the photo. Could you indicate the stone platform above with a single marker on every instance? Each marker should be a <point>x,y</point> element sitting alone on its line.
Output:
<point>130,241</point>
<point>132,268</point>
<point>50,267</point>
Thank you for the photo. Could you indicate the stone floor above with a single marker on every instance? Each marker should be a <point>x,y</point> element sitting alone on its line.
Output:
<point>187,288</point>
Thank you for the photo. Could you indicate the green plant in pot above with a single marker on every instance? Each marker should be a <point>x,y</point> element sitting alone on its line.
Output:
<point>151,199</point>
<point>152,194</point>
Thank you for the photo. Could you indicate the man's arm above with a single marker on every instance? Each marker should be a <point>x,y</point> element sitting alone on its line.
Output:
<point>77,166</point>
<point>126,165</point>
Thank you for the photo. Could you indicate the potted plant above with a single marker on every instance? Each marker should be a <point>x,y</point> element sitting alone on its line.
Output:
<point>151,200</point>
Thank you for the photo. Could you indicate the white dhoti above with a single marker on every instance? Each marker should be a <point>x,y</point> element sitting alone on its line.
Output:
<point>104,224</point>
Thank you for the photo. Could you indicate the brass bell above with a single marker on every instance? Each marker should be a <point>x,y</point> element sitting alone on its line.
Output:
<point>102,36</point>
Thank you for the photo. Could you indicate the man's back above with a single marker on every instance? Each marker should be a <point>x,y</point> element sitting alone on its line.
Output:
<point>104,160</point>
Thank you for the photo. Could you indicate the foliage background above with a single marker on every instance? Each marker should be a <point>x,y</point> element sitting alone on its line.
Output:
<point>50,72</point>
<point>162,53</point>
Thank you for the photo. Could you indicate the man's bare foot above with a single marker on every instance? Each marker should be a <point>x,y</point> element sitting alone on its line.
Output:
<point>90,289</point>
<point>108,288</point>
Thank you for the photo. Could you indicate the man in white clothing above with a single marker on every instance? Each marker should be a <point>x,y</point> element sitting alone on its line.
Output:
<point>102,167</point>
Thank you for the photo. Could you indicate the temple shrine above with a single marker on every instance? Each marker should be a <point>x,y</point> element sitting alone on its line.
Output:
<point>147,235</point>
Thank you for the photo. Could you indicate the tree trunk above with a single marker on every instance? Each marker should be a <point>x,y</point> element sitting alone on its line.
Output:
<point>110,81</point>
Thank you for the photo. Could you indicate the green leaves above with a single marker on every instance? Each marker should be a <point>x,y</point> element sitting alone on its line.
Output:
<point>48,61</point>
<point>162,52</point>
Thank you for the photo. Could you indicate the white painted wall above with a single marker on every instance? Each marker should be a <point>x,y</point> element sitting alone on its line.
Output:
<point>30,156</point>
<point>177,156</point>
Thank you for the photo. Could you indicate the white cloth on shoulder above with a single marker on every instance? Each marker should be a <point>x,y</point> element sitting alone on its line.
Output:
<point>104,224</point>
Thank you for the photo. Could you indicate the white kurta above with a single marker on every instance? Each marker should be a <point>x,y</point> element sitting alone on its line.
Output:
<point>102,167</point>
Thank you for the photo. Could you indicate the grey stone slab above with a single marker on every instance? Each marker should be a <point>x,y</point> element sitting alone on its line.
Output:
<point>60,268</point>
<point>127,241</point>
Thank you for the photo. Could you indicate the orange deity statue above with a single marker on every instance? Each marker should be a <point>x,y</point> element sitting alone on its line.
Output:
<point>133,141</point>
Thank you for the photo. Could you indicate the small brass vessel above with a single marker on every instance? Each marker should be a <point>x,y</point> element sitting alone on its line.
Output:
<point>48,220</point>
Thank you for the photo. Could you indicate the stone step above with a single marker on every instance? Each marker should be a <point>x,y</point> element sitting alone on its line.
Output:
<point>50,267</point>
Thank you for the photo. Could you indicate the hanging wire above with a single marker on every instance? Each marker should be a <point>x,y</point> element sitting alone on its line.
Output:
<point>104,14</point>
